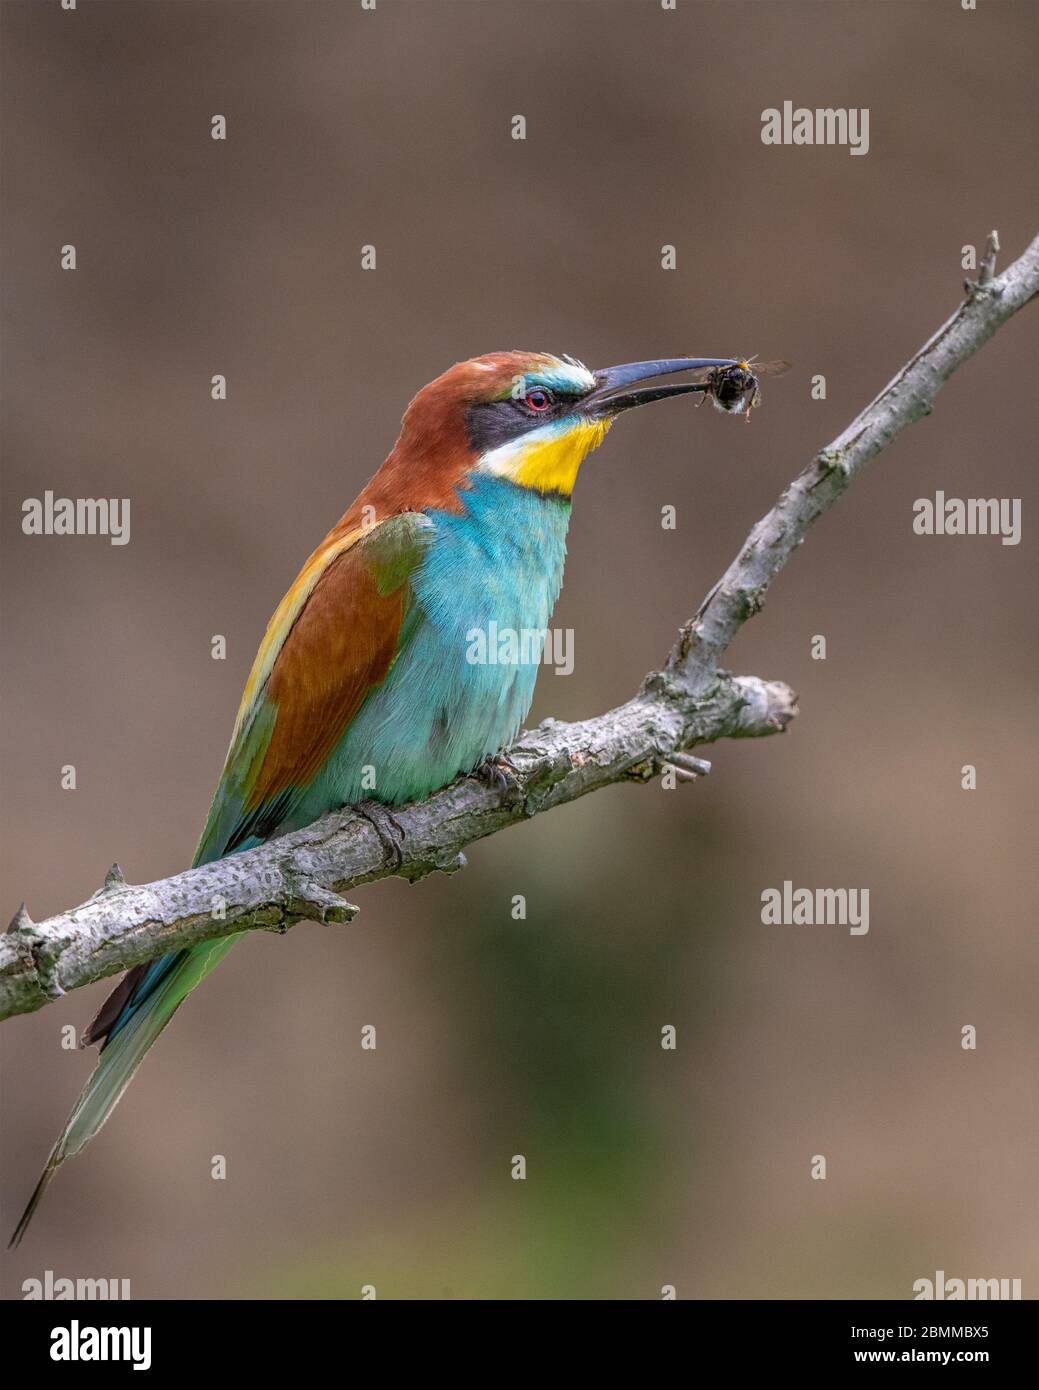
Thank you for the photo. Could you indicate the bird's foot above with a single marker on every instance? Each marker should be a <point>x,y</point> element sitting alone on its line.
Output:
<point>499,772</point>
<point>387,827</point>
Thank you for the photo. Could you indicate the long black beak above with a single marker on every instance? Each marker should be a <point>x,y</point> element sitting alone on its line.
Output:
<point>609,399</point>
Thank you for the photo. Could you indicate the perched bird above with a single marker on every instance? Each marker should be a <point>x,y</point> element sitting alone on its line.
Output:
<point>363,689</point>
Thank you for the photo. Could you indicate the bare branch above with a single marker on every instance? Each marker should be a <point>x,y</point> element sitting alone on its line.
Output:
<point>690,702</point>
<point>907,397</point>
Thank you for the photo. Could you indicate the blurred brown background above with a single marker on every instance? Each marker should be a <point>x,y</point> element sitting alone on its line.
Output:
<point>496,1037</point>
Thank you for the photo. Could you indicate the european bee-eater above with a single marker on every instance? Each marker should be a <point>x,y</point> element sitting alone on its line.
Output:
<point>363,688</point>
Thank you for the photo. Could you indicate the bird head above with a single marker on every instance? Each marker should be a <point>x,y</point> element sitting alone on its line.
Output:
<point>530,417</point>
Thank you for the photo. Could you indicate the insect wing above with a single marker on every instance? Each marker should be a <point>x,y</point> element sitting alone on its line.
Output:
<point>776,368</point>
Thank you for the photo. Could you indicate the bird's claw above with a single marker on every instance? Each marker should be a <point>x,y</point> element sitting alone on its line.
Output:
<point>387,827</point>
<point>499,772</point>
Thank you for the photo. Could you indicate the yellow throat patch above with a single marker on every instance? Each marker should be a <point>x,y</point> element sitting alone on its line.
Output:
<point>547,461</point>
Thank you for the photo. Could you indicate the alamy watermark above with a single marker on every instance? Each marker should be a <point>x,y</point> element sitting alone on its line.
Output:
<point>59,1288</point>
<point>526,646</point>
<point>80,1342</point>
<point>968,516</point>
<point>816,907</point>
<point>829,125</point>
<point>77,516</point>
<point>941,1288</point>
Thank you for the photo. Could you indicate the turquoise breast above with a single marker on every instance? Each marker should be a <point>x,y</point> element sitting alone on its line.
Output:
<point>450,700</point>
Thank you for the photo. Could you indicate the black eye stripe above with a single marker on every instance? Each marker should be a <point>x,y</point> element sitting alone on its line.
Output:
<point>493,423</point>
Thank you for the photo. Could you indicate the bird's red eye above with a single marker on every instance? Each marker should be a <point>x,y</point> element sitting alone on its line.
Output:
<point>538,399</point>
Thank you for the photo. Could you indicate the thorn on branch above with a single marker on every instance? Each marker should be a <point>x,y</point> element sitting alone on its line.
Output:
<point>114,881</point>
<point>21,921</point>
<point>686,763</point>
<point>685,767</point>
<point>987,269</point>
<point>988,264</point>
